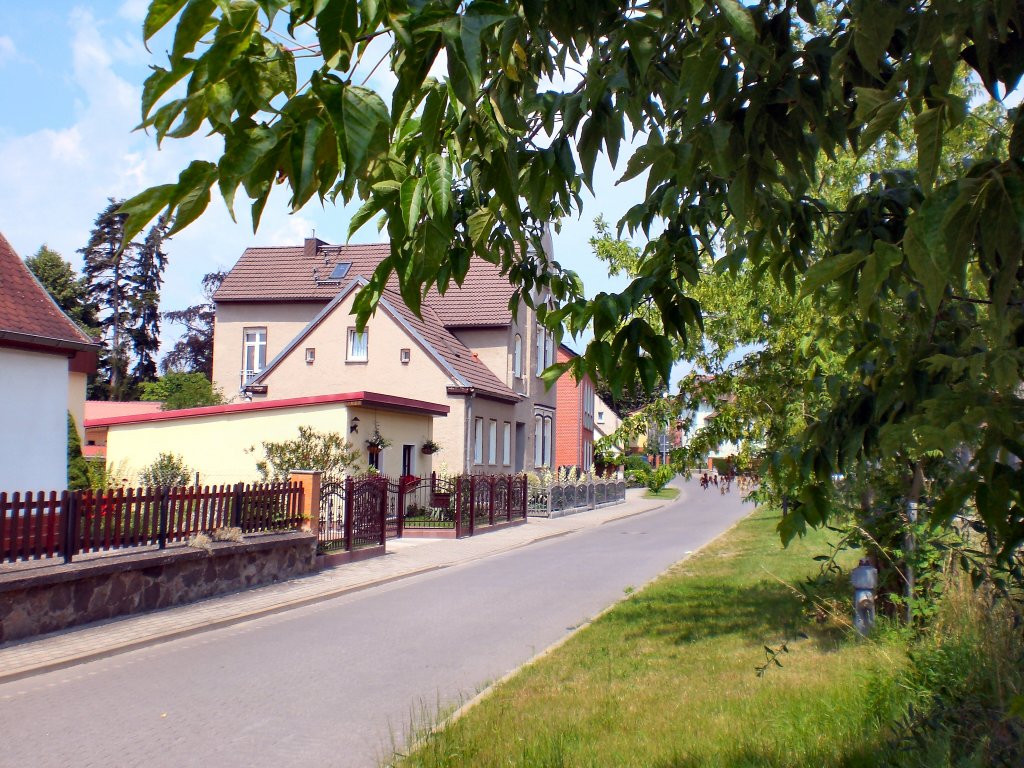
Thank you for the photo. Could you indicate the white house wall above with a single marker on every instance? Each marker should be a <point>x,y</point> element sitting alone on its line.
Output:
<point>33,421</point>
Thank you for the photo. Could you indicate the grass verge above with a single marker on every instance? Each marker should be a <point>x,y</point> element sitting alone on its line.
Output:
<point>664,493</point>
<point>667,678</point>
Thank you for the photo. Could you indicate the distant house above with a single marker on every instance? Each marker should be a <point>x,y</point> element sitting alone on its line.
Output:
<point>98,411</point>
<point>574,444</point>
<point>284,329</point>
<point>44,362</point>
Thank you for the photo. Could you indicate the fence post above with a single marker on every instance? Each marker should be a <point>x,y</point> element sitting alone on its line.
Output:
<point>490,501</point>
<point>472,504</point>
<point>510,489</point>
<point>349,507</point>
<point>162,530</point>
<point>384,511</point>
<point>309,501</point>
<point>69,504</point>
<point>400,521</point>
<point>457,488</point>
<point>526,496</point>
<point>236,506</point>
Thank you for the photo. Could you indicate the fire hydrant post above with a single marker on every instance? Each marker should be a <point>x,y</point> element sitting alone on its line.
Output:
<point>865,581</point>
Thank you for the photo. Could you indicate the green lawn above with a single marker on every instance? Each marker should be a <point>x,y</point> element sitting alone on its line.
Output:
<point>667,678</point>
<point>664,493</point>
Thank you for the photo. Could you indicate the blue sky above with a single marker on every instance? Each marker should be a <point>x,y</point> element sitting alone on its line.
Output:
<point>70,79</point>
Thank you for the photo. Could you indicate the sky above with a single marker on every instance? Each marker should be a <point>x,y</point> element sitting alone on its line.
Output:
<point>71,75</point>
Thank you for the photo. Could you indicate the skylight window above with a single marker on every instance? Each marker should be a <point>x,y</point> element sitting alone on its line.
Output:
<point>340,270</point>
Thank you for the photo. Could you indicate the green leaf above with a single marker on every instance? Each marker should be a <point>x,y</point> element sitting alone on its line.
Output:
<point>195,22</point>
<point>159,13</point>
<point>439,179</point>
<point>144,207</point>
<point>928,128</point>
<point>365,113</point>
<point>739,19</point>
<point>412,201</point>
<point>367,211</point>
<point>829,269</point>
<point>481,223</point>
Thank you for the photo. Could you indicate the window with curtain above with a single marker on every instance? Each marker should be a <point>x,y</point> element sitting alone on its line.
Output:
<point>358,346</point>
<point>492,442</point>
<point>538,441</point>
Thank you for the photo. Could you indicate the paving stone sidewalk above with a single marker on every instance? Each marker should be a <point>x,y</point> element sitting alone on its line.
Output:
<point>405,557</point>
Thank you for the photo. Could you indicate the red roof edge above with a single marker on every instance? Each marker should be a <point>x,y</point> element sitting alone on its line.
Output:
<point>366,399</point>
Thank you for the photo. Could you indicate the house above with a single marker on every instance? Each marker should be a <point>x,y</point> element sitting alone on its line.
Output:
<point>97,411</point>
<point>45,359</point>
<point>222,443</point>
<point>574,442</point>
<point>606,420</point>
<point>284,329</point>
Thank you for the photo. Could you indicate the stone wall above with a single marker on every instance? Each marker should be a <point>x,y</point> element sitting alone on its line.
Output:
<point>45,599</point>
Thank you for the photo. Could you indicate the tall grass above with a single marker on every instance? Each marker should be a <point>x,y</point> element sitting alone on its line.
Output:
<point>667,678</point>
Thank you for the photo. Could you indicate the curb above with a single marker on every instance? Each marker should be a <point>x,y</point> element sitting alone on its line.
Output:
<point>115,650</point>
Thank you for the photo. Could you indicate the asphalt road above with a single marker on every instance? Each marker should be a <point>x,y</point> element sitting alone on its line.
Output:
<point>337,683</point>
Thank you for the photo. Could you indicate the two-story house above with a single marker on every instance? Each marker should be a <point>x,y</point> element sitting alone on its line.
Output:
<point>285,329</point>
<point>574,444</point>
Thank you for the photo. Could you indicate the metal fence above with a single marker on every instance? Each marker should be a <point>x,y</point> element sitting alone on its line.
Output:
<point>366,511</point>
<point>561,498</point>
<point>40,525</point>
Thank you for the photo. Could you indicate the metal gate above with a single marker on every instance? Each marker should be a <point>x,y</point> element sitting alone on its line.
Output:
<point>332,517</point>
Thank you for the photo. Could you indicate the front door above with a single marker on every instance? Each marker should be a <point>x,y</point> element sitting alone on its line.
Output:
<point>408,468</point>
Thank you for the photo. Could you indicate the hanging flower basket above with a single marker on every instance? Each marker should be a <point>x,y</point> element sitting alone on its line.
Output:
<point>429,447</point>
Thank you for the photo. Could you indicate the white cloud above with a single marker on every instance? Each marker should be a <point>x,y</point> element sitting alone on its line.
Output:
<point>133,10</point>
<point>7,49</point>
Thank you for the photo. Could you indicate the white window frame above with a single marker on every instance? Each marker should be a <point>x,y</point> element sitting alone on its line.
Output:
<point>478,440</point>
<point>540,349</point>
<point>492,441</point>
<point>549,349</point>
<point>506,443</point>
<point>258,346</point>
<point>548,429</point>
<point>352,354</point>
<point>538,440</point>
<point>517,357</point>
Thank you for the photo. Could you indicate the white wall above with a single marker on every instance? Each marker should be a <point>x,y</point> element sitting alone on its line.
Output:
<point>33,421</point>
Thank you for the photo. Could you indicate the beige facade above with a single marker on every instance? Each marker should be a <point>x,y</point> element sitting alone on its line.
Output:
<point>223,445</point>
<point>280,321</point>
<point>317,361</point>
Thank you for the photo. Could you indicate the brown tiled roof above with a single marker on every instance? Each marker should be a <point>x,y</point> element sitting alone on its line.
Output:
<point>456,354</point>
<point>27,313</point>
<point>301,273</point>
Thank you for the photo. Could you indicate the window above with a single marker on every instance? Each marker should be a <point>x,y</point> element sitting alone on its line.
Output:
<point>549,349</point>
<point>408,460</point>
<point>506,443</point>
<point>358,346</point>
<point>547,441</point>
<point>600,417</point>
<point>517,357</point>
<point>492,442</point>
<point>538,441</point>
<point>254,358</point>
<point>540,349</point>
<point>373,459</point>
<point>404,356</point>
<point>478,440</point>
<point>588,453</point>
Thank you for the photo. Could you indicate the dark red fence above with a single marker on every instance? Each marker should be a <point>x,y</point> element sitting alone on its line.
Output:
<point>366,511</point>
<point>34,526</point>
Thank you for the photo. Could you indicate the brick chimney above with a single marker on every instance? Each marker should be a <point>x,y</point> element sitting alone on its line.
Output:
<point>311,246</point>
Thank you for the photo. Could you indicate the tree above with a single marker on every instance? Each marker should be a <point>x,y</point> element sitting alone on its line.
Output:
<point>65,287</point>
<point>176,389</point>
<point>193,352</point>
<point>326,452</point>
<point>78,468</point>
<point>124,278</point>
<point>740,108</point>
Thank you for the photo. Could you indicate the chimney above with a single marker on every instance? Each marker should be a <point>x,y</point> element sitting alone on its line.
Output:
<point>310,247</point>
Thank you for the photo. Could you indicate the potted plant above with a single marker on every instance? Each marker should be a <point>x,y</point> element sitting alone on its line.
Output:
<point>377,442</point>
<point>429,447</point>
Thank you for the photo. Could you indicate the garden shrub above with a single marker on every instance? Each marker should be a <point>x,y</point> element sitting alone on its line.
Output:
<point>167,471</point>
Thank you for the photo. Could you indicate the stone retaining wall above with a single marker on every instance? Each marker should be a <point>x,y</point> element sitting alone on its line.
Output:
<point>45,599</point>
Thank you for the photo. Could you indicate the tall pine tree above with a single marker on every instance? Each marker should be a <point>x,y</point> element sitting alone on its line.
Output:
<point>125,284</point>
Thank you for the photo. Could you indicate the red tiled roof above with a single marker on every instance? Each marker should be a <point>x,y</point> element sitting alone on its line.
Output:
<point>27,313</point>
<point>300,273</point>
<point>104,409</point>
<point>369,399</point>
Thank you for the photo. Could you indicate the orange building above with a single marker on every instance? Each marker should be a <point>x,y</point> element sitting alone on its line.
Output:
<point>574,425</point>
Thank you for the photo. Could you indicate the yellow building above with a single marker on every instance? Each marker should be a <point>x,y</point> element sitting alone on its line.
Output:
<point>222,443</point>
